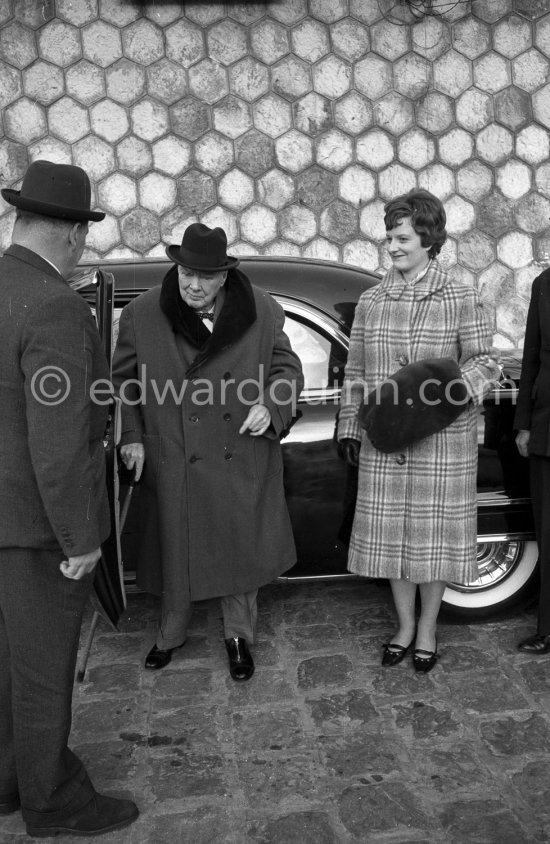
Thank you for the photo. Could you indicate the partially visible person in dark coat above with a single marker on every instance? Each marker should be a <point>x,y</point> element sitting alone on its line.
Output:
<point>532,422</point>
<point>415,519</point>
<point>53,503</point>
<point>208,383</point>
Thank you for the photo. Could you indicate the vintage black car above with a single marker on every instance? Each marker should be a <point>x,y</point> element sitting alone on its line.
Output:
<point>319,299</point>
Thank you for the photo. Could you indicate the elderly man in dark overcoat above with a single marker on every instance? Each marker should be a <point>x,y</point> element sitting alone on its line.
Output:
<point>53,505</point>
<point>209,384</point>
<point>532,422</point>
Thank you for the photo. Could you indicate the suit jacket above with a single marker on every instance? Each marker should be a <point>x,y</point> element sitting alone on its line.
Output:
<point>52,462</point>
<point>533,404</point>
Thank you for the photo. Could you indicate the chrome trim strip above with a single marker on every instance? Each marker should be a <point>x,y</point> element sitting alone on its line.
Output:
<point>500,502</point>
<point>483,539</point>
<point>306,577</point>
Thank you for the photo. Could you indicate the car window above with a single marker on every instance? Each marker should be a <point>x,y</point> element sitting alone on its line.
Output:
<point>322,359</point>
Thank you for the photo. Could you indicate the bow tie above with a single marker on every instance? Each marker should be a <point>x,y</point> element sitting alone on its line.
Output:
<point>206,315</point>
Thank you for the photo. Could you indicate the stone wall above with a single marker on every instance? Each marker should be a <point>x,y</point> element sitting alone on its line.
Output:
<point>291,122</point>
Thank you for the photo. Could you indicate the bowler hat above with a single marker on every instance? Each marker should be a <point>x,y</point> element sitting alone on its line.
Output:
<point>202,249</point>
<point>54,190</point>
<point>418,400</point>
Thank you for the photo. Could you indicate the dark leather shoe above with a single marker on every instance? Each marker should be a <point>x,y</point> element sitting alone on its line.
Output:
<point>9,803</point>
<point>156,658</point>
<point>101,814</point>
<point>536,644</point>
<point>241,664</point>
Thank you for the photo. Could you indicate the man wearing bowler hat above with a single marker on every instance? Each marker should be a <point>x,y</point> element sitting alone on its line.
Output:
<point>208,383</point>
<point>53,505</point>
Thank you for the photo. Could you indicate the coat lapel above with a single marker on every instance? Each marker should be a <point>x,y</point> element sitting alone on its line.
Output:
<point>394,284</point>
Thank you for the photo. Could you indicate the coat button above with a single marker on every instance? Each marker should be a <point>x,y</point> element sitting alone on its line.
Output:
<point>400,459</point>
<point>193,418</point>
<point>193,459</point>
<point>402,360</point>
<point>227,417</point>
<point>228,456</point>
<point>226,376</point>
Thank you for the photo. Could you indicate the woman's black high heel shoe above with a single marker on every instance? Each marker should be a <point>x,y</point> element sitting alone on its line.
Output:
<point>394,653</point>
<point>426,662</point>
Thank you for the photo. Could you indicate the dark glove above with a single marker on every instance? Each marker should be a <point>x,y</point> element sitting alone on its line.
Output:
<point>348,450</point>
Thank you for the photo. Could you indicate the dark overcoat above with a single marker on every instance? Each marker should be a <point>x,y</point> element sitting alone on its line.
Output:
<point>533,403</point>
<point>52,462</point>
<point>214,517</point>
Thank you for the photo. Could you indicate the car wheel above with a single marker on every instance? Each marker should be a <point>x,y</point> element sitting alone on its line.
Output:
<point>508,577</point>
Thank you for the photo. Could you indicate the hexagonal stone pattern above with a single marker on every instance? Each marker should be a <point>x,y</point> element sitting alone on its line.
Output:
<point>43,82</point>
<point>85,82</point>
<point>208,81</point>
<point>125,82</point>
<point>150,120</point>
<point>292,122</point>
<point>184,43</point>
<point>59,43</point>
<point>255,153</point>
<point>214,154</point>
<point>249,79</point>
<point>134,156</point>
<point>142,42</point>
<point>310,40</point>
<point>474,110</point>
<point>232,117</point>
<point>117,194</point>
<point>10,85</point>
<point>95,156</point>
<point>25,121</point>
<point>316,187</point>
<point>157,193</point>
<point>171,155</point>
<point>68,120</point>
<point>353,113</point>
<point>226,42</point>
<point>101,43</point>
<point>17,45</point>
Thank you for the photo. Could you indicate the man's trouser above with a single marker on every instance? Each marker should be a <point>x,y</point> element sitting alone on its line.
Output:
<point>40,616</point>
<point>240,616</point>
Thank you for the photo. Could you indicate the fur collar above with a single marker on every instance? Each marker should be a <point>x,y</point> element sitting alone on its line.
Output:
<point>235,318</point>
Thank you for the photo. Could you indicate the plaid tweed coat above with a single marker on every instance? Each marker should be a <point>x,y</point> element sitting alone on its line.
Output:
<point>415,516</point>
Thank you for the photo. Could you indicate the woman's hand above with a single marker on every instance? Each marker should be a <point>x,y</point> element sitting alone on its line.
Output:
<point>133,455</point>
<point>348,450</point>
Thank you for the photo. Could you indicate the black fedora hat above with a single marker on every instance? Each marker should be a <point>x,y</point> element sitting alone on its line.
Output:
<point>418,400</point>
<point>203,249</point>
<point>55,190</point>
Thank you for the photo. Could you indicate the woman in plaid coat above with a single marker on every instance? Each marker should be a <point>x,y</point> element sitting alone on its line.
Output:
<point>415,518</point>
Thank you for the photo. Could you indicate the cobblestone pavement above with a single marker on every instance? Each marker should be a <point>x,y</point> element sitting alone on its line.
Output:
<point>323,745</point>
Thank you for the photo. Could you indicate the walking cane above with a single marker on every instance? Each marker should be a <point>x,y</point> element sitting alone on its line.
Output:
<point>96,616</point>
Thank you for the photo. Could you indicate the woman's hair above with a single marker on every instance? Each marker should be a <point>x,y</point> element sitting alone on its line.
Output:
<point>426,214</point>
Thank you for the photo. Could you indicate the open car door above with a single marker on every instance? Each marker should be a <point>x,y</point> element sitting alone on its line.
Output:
<point>109,597</point>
